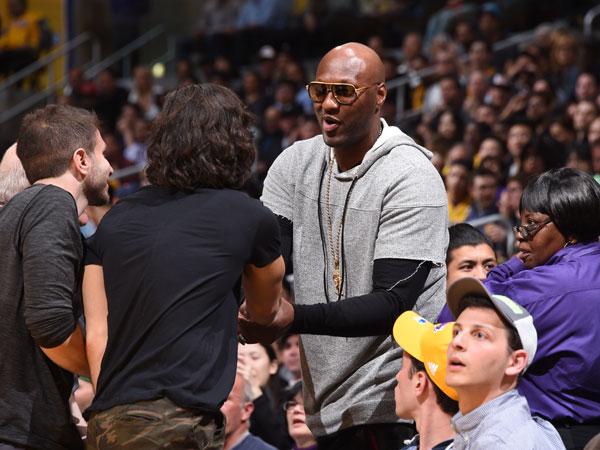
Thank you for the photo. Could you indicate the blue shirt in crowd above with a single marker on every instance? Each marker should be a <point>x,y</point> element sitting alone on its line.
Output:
<point>504,423</point>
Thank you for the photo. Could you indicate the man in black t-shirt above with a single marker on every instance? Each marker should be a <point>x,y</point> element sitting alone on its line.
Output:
<point>163,276</point>
<point>41,254</point>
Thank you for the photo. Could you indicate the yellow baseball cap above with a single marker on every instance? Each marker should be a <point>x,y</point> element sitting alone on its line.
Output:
<point>427,343</point>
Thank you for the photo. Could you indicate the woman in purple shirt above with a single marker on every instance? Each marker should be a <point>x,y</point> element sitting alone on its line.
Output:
<point>556,277</point>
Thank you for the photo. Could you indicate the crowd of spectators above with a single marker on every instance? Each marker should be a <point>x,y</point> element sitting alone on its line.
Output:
<point>493,119</point>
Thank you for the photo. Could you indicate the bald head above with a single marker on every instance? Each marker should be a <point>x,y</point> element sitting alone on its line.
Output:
<point>12,175</point>
<point>358,60</point>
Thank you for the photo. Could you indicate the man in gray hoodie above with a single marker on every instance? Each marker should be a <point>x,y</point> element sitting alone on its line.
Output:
<point>364,217</point>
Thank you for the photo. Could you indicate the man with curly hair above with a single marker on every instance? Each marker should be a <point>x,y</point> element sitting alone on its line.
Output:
<point>163,276</point>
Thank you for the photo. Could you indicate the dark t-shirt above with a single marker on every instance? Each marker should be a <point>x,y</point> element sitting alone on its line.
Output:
<point>40,261</point>
<point>172,267</point>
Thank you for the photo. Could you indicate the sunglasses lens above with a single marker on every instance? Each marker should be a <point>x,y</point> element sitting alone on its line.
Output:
<point>344,93</point>
<point>317,92</point>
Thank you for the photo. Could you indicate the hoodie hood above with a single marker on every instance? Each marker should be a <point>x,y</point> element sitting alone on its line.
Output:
<point>391,137</point>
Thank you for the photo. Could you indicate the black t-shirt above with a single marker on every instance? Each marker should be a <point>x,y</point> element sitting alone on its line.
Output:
<point>40,266</point>
<point>172,267</point>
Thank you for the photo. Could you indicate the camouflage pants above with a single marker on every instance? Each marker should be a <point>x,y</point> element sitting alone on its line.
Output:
<point>156,424</point>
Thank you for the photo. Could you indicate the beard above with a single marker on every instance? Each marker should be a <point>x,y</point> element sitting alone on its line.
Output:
<point>95,189</point>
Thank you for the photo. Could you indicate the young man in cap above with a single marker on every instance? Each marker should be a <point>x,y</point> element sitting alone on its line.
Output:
<point>422,393</point>
<point>494,341</point>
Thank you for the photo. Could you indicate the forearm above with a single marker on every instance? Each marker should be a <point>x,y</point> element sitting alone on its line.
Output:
<point>371,314</point>
<point>262,289</point>
<point>95,346</point>
<point>71,354</point>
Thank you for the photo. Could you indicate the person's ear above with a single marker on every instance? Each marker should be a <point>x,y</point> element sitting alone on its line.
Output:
<point>516,363</point>
<point>381,95</point>
<point>247,411</point>
<point>420,383</point>
<point>273,365</point>
<point>81,163</point>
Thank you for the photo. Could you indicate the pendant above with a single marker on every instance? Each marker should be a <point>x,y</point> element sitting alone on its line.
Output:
<point>337,279</point>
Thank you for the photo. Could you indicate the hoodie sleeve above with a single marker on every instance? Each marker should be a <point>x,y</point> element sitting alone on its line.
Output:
<point>279,186</point>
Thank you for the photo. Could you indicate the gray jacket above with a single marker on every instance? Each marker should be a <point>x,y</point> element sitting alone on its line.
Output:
<point>397,209</point>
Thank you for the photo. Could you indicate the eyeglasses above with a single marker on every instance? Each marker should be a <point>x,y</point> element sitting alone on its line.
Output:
<point>344,93</point>
<point>527,232</point>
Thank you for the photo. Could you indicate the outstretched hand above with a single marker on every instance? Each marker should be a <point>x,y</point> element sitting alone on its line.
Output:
<point>251,332</point>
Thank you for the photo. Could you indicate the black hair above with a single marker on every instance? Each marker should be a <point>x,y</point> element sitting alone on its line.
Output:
<point>570,197</point>
<point>448,405</point>
<point>479,301</point>
<point>463,234</point>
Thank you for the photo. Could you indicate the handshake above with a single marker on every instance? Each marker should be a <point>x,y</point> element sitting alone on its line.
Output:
<point>250,332</point>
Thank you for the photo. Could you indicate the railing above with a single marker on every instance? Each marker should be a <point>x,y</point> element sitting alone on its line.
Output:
<point>125,53</point>
<point>46,62</point>
<point>588,20</point>
<point>91,69</point>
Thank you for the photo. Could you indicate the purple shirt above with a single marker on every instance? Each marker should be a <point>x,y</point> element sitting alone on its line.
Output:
<point>563,296</point>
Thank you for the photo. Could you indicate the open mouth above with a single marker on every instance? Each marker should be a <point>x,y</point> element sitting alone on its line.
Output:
<point>455,364</point>
<point>330,124</point>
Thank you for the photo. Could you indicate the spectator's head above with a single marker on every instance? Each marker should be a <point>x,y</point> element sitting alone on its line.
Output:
<point>593,133</point>
<point>449,126</point>
<point>514,191</point>
<point>62,141</point>
<point>16,8</point>
<point>262,360</point>
<point>446,63</point>
<point>579,158</point>
<point>376,44</point>
<point>538,109</point>
<point>237,410</point>
<point>421,387</point>
<point>595,154</point>
<point>585,113</point>
<point>480,55</point>
<point>348,95</point>
<point>458,180</point>
<point>491,147</point>
<point>296,417</point>
<point>494,341</point>
<point>411,45</point>
<point>289,354</point>
<point>477,85</point>
<point>561,130</point>
<point>308,128</point>
<point>106,82</point>
<point>295,73</point>
<point>251,83</point>
<point>285,92</point>
<point>564,49</point>
<point>483,191</point>
<point>486,114</point>
<point>533,160</point>
<point>271,120</point>
<point>470,253</point>
<point>490,21</point>
<point>586,87</point>
<point>451,92</point>
<point>202,138</point>
<point>463,32</point>
<point>142,79</point>
<point>519,135</point>
<point>499,92</point>
<point>457,152</point>
<point>558,208</point>
<point>12,175</point>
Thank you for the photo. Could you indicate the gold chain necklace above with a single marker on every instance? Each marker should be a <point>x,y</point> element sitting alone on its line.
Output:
<point>335,248</point>
<point>337,278</point>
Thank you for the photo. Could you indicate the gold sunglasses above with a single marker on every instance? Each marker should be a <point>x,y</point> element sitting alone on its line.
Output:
<point>344,93</point>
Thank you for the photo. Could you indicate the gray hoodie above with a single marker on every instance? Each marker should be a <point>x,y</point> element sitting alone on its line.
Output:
<point>397,209</point>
